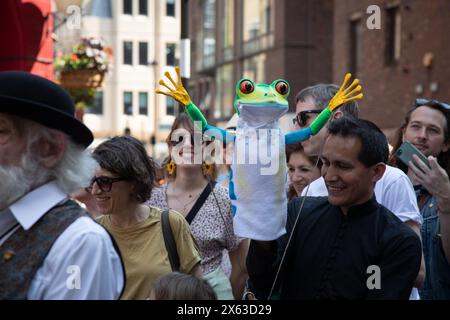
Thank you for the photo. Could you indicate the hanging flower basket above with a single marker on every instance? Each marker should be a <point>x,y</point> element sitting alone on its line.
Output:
<point>79,79</point>
<point>82,71</point>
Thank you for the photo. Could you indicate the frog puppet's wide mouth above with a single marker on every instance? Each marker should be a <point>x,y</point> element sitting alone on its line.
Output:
<point>258,115</point>
<point>261,105</point>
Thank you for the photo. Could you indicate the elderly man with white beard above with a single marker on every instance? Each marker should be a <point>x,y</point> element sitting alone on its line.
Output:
<point>49,246</point>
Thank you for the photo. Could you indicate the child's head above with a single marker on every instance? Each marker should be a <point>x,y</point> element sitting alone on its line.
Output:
<point>179,286</point>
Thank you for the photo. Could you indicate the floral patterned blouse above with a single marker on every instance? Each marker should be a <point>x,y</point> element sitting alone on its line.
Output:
<point>212,227</point>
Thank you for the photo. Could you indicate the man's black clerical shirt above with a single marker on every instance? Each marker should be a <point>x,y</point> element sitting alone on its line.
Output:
<point>336,256</point>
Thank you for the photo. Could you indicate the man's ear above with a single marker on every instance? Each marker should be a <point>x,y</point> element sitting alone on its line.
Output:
<point>378,171</point>
<point>51,152</point>
<point>446,146</point>
<point>337,114</point>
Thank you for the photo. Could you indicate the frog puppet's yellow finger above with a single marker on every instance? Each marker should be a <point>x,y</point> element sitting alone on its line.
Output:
<point>346,94</point>
<point>168,76</point>
<point>354,85</point>
<point>178,93</point>
<point>162,83</point>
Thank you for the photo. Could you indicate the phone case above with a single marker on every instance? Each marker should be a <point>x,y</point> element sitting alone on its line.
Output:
<point>406,151</point>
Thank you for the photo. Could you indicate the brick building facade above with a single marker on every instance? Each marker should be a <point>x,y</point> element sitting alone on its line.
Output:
<point>407,58</point>
<point>309,41</point>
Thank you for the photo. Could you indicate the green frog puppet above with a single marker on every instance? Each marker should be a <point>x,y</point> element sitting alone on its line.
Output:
<point>258,170</point>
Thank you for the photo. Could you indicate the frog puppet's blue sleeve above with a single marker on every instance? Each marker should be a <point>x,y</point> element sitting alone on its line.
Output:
<point>217,133</point>
<point>298,136</point>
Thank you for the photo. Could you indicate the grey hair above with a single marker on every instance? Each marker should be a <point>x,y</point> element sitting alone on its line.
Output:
<point>322,94</point>
<point>75,170</point>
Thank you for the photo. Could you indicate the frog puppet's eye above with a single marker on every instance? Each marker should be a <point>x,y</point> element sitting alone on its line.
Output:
<point>282,87</point>
<point>246,86</point>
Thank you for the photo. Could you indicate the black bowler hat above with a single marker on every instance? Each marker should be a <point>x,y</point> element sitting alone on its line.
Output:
<point>32,97</point>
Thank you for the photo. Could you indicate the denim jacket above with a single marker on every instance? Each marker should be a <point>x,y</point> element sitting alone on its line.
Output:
<point>437,280</point>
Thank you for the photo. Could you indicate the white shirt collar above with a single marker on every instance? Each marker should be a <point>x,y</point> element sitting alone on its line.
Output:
<point>30,208</point>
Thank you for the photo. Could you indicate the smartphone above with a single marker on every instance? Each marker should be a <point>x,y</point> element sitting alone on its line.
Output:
<point>406,151</point>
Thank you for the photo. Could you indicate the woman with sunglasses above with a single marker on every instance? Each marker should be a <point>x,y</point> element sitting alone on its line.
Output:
<point>121,186</point>
<point>427,127</point>
<point>192,191</point>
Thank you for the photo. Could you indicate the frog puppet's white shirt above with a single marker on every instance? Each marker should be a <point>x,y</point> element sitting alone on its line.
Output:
<point>258,176</point>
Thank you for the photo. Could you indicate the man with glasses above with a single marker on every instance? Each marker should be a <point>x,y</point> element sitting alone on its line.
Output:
<point>394,190</point>
<point>426,126</point>
<point>49,246</point>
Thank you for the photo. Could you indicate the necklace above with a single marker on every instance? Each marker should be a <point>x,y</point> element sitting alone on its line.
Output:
<point>184,205</point>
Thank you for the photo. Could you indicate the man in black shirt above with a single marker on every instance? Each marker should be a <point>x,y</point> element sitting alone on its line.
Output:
<point>346,245</point>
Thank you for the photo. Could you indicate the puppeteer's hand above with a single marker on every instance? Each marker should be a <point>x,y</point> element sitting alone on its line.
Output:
<point>179,93</point>
<point>344,95</point>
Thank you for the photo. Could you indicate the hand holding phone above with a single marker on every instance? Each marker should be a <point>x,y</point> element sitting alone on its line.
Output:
<point>407,150</point>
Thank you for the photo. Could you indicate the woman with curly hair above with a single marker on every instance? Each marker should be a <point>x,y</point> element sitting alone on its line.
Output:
<point>121,186</point>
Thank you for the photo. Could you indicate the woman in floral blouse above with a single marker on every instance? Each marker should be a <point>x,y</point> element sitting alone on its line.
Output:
<point>211,219</point>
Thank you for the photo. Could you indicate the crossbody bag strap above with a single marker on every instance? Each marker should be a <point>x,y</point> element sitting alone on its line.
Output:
<point>200,201</point>
<point>169,241</point>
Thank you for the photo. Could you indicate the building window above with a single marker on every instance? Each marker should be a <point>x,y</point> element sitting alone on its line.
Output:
<point>257,18</point>
<point>128,52</point>
<point>393,35</point>
<point>143,53</point>
<point>224,94</point>
<point>143,7</point>
<point>128,7</point>
<point>128,103</point>
<point>254,68</point>
<point>143,103</point>
<point>356,30</point>
<point>170,8</point>
<point>258,33</point>
<point>170,54</point>
<point>101,9</point>
<point>228,29</point>
<point>170,106</point>
<point>209,33</point>
<point>97,105</point>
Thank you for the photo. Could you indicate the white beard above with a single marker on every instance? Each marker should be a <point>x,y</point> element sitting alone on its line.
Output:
<point>16,181</point>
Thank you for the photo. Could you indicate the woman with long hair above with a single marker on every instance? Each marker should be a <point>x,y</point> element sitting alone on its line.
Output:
<point>193,191</point>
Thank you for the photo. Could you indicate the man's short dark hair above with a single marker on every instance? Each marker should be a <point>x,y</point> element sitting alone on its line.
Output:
<point>127,157</point>
<point>374,145</point>
<point>322,94</point>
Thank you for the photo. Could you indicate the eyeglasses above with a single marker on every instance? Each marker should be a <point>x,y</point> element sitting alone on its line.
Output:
<point>104,183</point>
<point>302,117</point>
<point>423,102</point>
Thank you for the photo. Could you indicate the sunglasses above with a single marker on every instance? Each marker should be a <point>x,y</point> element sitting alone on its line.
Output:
<point>423,102</point>
<point>302,117</point>
<point>174,143</point>
<point>104,183</point>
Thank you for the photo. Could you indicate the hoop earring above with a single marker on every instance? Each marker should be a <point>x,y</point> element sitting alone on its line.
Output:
<point>171,168</point>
